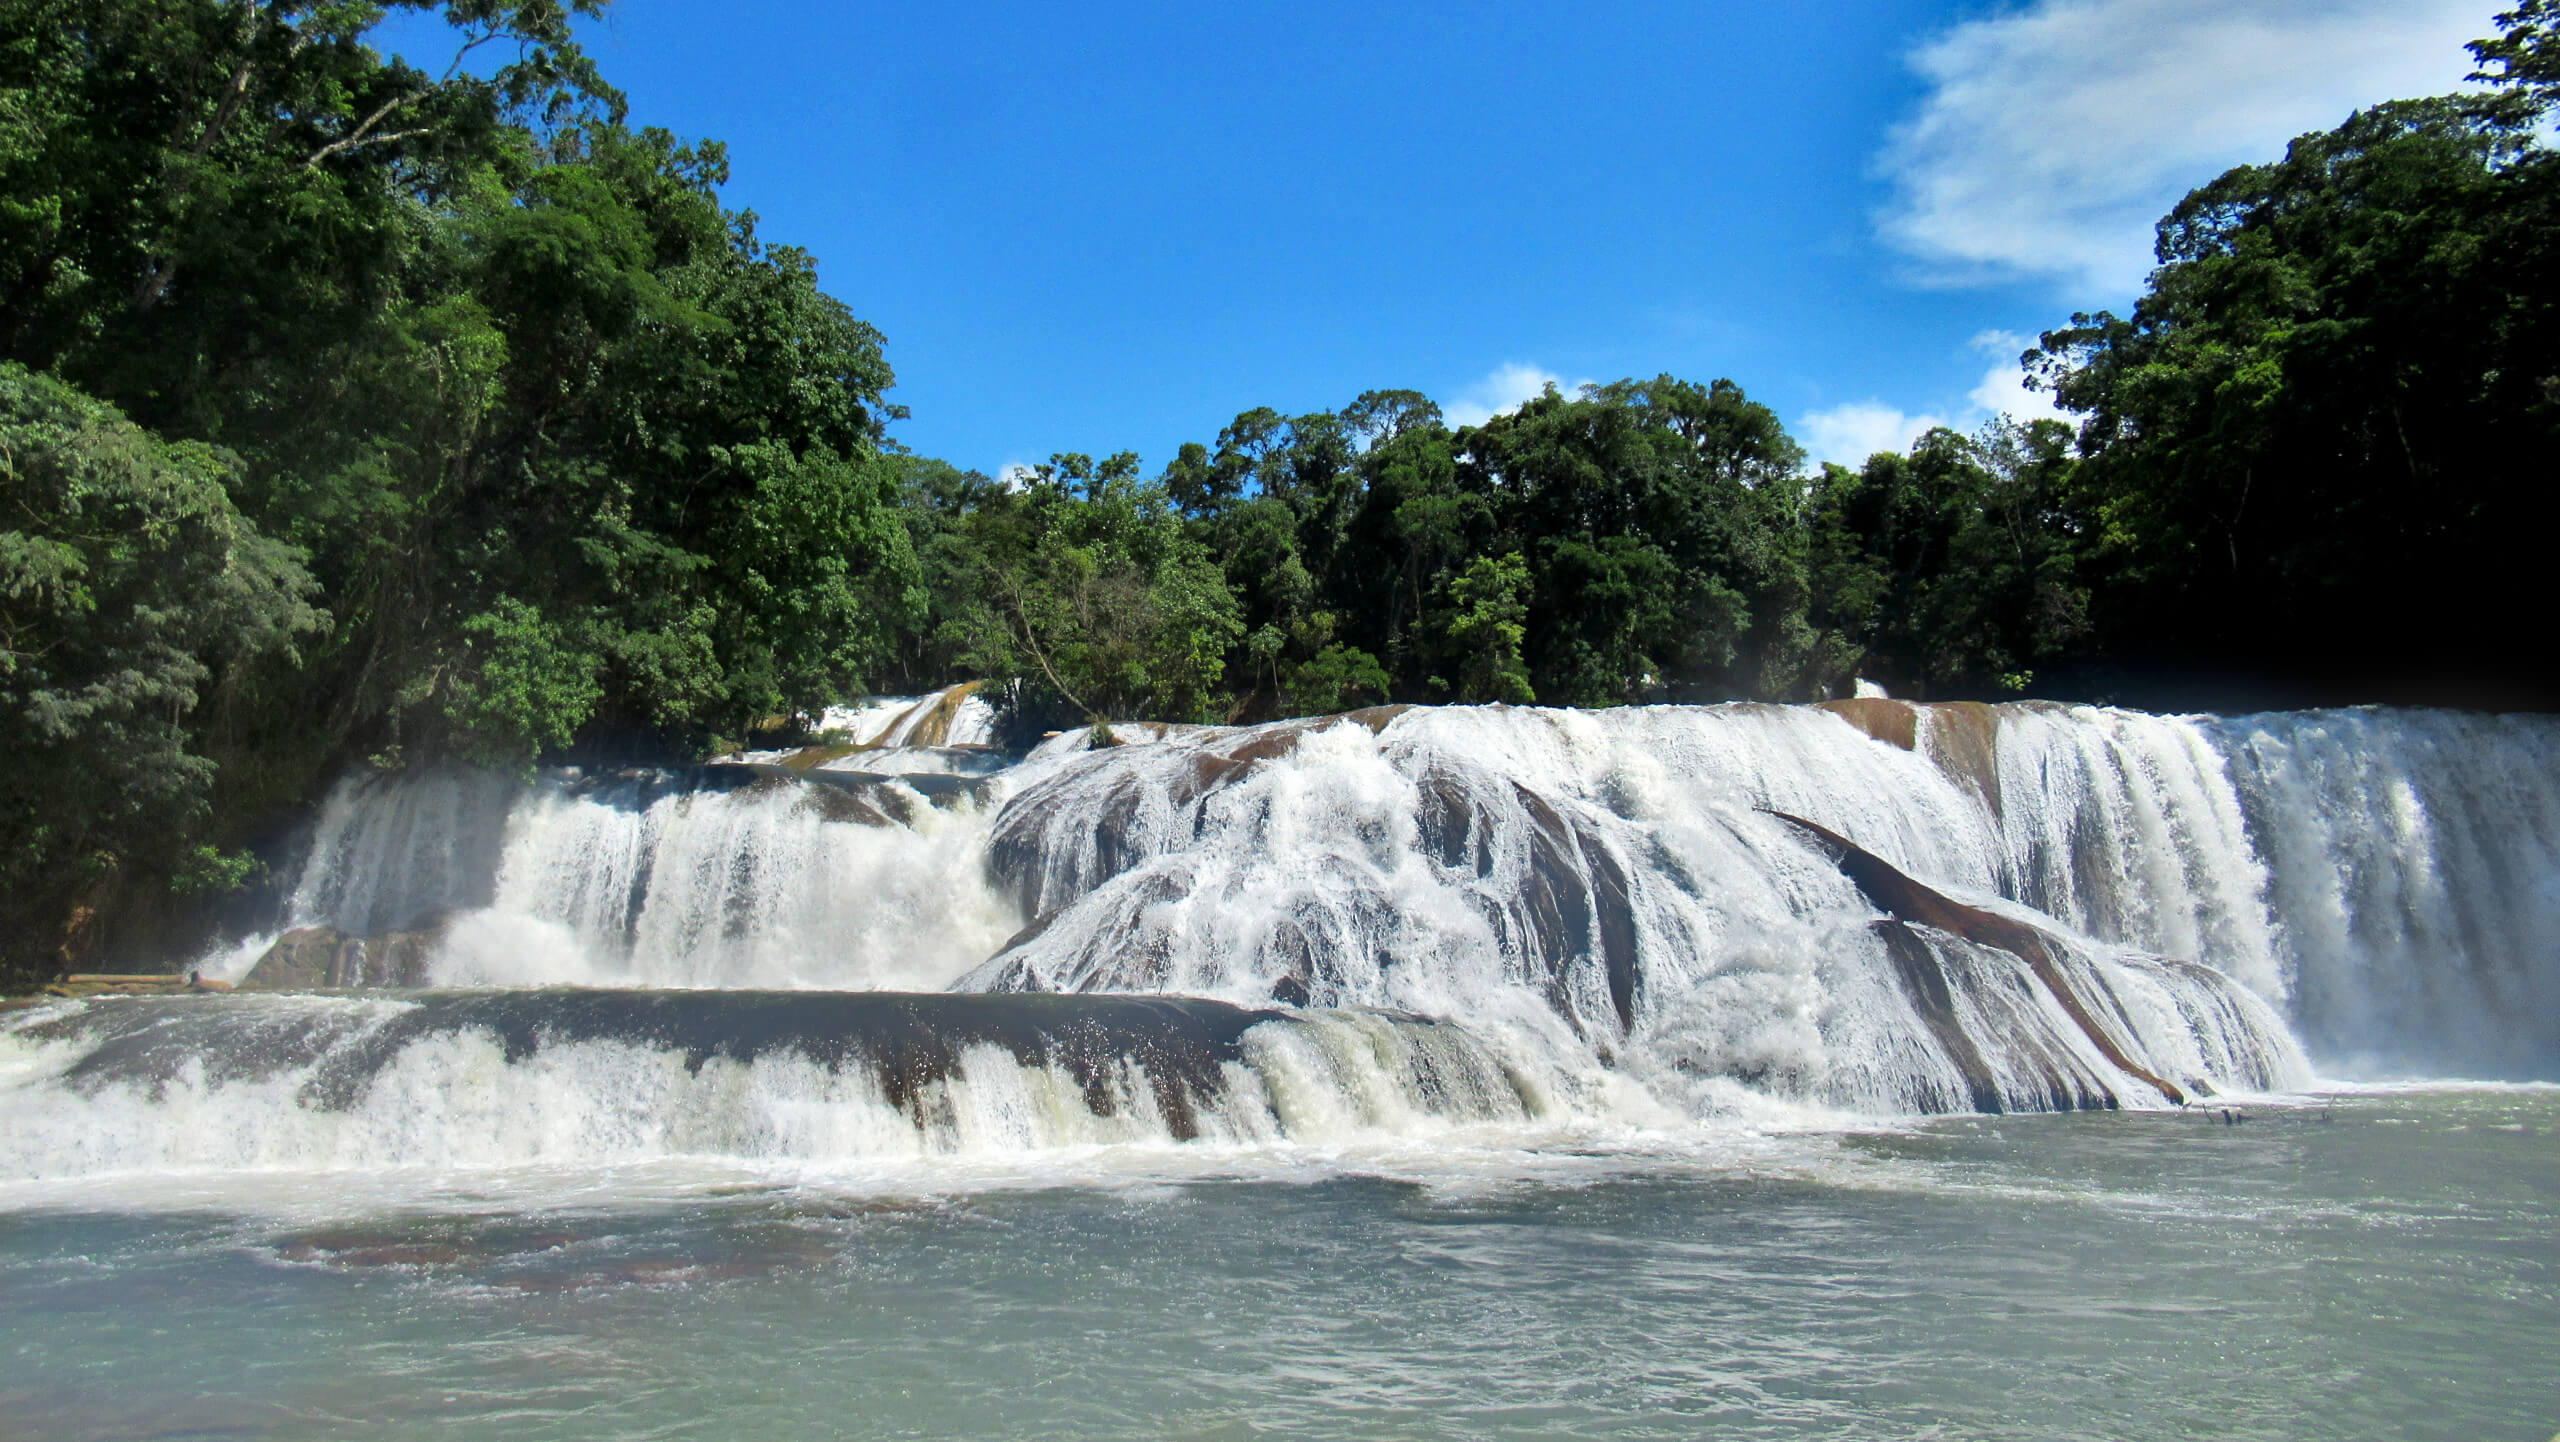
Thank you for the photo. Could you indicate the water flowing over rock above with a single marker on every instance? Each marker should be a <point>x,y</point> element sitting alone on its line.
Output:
<point>745,873</point>
<point>1434,917</point>
<point>605,1077</point>
<point>2092,1004</point>
<point>1613,876</point>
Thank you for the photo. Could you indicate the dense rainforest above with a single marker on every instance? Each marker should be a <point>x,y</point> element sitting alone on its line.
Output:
<point>357,416</point>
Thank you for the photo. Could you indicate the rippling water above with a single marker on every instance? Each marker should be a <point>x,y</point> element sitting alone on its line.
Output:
<point>2373,1264</point>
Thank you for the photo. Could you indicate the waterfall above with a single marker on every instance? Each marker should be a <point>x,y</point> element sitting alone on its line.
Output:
<point>386,853</point>
<point>2412,892</point>
<point>1405,918</point>
<point>1616,877</point>
<point>2384,879</point>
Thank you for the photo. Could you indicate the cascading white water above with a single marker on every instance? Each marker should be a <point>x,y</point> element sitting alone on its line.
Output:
<point>1613,876</point>
<point>300,1083</point>
<point>730,876</point>
<point>649,886</point>
<point>2413,882</point>
<point>386,852</point>
<point>1599,910</point>
<point>2390,877</point>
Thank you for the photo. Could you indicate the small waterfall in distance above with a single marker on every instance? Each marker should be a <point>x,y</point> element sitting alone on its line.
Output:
<point>1414,917</point>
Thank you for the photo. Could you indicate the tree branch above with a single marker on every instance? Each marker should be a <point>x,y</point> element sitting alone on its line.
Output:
<point>358,142</point>
<point>1033,646</point>
<point>363,134</point>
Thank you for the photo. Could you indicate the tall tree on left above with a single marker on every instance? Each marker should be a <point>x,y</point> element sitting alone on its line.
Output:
<point>130,590</point>
<point>574,457</point>
<point>194,191</point>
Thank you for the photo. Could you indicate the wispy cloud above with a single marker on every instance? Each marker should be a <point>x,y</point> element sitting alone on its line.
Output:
<point>1848,434</point>
<point>2054,136</point>
<point>1503,392</point>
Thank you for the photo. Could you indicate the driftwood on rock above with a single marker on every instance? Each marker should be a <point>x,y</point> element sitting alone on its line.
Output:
<point>81,984</point>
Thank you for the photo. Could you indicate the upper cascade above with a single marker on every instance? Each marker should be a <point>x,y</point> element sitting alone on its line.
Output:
<point>1639,886</point>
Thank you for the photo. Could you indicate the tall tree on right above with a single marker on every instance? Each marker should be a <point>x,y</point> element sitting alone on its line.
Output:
<point>2321,447</point>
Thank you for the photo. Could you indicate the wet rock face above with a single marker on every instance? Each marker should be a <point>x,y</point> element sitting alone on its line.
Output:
<point>1961,737</point>
<point>316,958</point>
<point>2085,997</point>
<point>907,1043</point>
<point>1896,723</point>
<point>1055,842</point>
<point>1069,834</point>
<point>1573,897</point>
<point>931,721</point>
<point>863,798</point>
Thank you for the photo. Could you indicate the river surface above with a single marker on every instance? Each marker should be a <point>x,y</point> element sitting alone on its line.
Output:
<point>2368,1263</point>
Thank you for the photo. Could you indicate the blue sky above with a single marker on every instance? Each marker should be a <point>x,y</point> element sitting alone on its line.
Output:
<point>1097,227</point>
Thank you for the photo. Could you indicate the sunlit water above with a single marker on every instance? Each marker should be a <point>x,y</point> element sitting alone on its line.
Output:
<point>2372,1264</point>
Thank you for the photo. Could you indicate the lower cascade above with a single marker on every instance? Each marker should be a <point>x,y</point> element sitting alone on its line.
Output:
<point>1396,923</point>
<point>588,1077</point>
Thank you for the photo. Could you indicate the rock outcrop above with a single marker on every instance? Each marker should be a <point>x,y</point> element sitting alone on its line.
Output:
<point>315,958</point>
<point>863,797</point>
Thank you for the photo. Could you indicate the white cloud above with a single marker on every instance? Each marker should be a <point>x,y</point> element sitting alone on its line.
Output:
<point>1848,434</point>
<point>2003,390</point>
<point>1502,393</point>
<point>2053,137</point>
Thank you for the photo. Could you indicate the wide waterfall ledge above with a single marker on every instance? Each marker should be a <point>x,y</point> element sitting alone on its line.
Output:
<point>1470,917</point>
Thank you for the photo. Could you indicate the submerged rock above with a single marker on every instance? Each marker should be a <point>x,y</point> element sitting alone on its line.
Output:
<point>84,984</point>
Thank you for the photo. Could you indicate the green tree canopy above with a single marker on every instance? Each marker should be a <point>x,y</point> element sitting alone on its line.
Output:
<point>2325,431</point>
<point>131,591</point>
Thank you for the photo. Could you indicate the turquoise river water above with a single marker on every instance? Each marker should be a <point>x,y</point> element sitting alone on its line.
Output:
<point>2375,1263</point>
